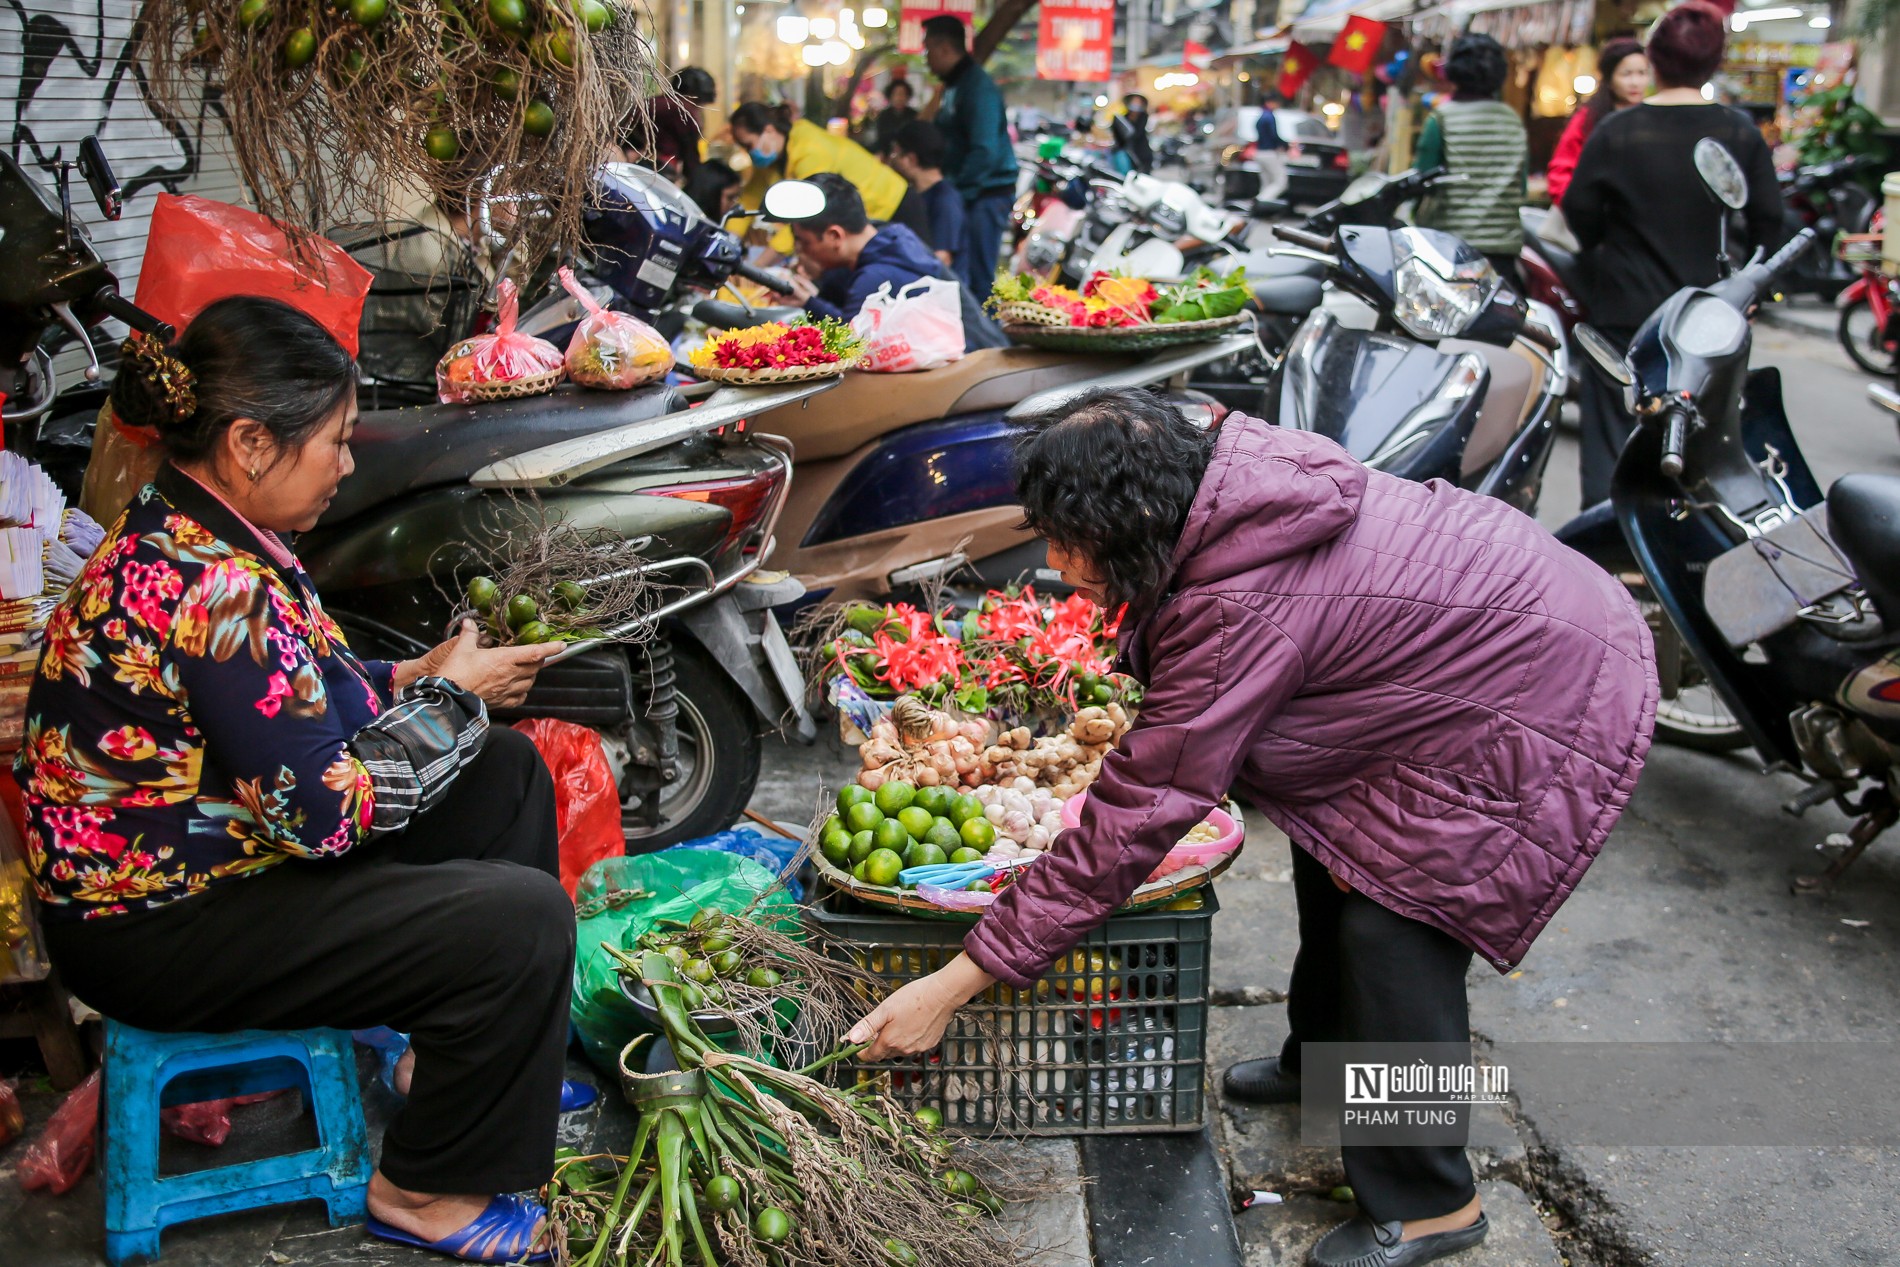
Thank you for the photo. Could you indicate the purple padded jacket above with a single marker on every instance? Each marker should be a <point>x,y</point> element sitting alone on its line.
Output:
<point>1420,686</point>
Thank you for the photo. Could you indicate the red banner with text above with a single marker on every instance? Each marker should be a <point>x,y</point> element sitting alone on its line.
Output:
<point>1076,40</point>
<point>910,22</point>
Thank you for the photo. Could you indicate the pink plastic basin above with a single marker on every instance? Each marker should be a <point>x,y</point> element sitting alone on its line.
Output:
<point>1232,833</point>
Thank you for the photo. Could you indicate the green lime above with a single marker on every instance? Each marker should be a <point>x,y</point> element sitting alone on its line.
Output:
<point>964,808</point>
<point>890,834</point>
<point>899,1254</point>
<point>857,871</point>
<point>535,631</point>
<point>253,12</point>
<point>861,846</point>
<point>1341,1193</point>
<point>569,594</point>
<point>692,996</point>
<point>441,145</point>
<point>763,979</point>
<point>882,867</point>
<point>981,886</point>
<point>863,817</point>
<point>978,834</point>
<point>594,15</point>
<point>554,46</point>
<point>960,1183</point>
<point>851,794</point>
<point>507,83</point>
<point>963,853</point>
<point>727,962</point>
<point>710,946</point>
<point>896,795</point>
<point>706,918</point>
<point>924,855</point>
<point>722,1192</point>
<point>916,821</point>
<point>965,1210</point>
<point>772,1225</point>
<point>368,12</point>
<point>521,608</point>
<point>698,970</point>
<point>509,15</point>
<point>1103,694</point>
<point>836,846</point>
<point>929,1119</point>
<point>935,799</point>
<point>299,47</point>
<point>1085,684</point>
<point>538,118</point>
<point>354,61</point>
<point>482,592</point>
<point>944,834</point>
<point>676,955</point>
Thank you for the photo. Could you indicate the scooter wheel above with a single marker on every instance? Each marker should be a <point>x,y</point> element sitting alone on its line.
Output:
<point>1863,340</point>
<point>720,756</point>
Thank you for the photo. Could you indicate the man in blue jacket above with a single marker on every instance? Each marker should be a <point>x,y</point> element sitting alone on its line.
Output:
<point>853,257</point>
<point>980,160</point>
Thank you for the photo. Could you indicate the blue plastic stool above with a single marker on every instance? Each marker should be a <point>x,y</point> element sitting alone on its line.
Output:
<point>146,1071</point>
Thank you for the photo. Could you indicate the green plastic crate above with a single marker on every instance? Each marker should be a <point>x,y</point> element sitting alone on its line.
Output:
<point>1112,1040</point>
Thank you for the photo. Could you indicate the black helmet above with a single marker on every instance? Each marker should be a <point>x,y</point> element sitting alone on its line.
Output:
<point>695,83</point>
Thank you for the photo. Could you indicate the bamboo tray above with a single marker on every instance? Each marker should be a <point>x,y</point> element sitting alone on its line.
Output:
<point>1109,339</point>
<point>774,377</point>
<point>1147,897</point>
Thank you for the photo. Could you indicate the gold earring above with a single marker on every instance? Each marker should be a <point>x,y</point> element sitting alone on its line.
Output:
<point>253,473</point>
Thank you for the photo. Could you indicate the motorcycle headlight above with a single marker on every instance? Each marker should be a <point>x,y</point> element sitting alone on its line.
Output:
<point>1441,283</point>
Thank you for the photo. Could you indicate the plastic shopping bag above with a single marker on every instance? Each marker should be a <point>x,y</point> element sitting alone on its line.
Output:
<point>918,328</point>
<point>199,250</point>
<point>621,898</point>
<point>500,365</point>
<point>611,350</point>
<point>62,1154</point>
<point>586,798</point>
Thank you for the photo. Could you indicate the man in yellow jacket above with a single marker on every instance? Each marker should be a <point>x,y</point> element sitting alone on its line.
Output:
<point>786,149</point>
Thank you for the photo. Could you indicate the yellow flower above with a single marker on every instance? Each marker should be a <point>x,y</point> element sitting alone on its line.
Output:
<point>702,355</point>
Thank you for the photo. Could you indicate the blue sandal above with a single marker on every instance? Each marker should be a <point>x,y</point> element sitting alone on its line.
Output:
<point>390,1044</point>
<point>501,1233</point>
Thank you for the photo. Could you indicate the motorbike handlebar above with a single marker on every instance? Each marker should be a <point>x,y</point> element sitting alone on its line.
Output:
<point>1675,432</point>
<point>113,304</point>
<point>771,281</point>
<point>1797,247</point>
<point>1300,237</point>
<point>1540,336</point>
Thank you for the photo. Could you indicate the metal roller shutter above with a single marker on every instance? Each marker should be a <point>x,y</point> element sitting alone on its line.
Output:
<point>69,69</point>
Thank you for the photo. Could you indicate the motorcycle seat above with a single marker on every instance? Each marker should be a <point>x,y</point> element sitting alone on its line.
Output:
<point>724,316</point>
<point>1260,266</point>
<point>1863,517</point>
<point>398,451</point>
<point>1289,296</point>
<point>865,407</point>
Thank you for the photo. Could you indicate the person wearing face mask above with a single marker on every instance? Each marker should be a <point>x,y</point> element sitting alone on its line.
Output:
<point>784,148</point>
<point>1130,132</point>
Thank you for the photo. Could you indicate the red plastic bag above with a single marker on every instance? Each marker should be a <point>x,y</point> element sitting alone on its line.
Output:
<point>200,250</point>
<point>503,364</point>
<point>62,1154</point>
<point>611,350</point>
<point>586,798</point>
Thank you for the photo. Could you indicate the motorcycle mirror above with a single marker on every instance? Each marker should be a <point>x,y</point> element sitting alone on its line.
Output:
<point>98,173</point>
<point>1604,353</point>
<point>1721,173</point>
<point>794,200</point>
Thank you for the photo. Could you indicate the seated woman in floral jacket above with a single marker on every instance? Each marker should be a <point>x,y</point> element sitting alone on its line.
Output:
<point>233,822</point>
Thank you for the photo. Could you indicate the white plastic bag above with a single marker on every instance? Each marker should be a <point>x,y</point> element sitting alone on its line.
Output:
<point>918,328</point>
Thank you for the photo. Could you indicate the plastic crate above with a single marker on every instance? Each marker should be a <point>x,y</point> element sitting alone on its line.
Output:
<point>1113,1039</point>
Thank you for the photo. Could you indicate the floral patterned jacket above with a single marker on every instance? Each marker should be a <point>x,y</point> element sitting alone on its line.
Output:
<point>197,718</point>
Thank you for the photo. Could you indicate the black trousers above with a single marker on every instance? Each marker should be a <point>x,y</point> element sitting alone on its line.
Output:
<point>456,930</point>
<point>1605,426</point>
<point>1365,974</point>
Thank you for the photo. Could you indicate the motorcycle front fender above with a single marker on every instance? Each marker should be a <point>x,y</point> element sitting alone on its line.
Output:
<point>740,633</point>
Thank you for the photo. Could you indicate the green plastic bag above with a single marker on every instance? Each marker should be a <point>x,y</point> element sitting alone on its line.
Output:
<point>677,882</point>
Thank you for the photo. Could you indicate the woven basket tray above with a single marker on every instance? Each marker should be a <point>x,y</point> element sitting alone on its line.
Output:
<point>1120,339</point>
<point>534,385</point>
<point>1023,313</point>
<point>775,377</point>
<point>1148,896</point>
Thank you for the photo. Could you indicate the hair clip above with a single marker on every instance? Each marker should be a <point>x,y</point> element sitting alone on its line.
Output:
<point>171,376</point>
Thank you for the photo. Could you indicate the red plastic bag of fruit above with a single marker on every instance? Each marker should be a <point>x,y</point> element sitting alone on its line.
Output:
<point>611,350</point>
<point>62,1154</point>
<point>586,798</point>
<point>501,365</point>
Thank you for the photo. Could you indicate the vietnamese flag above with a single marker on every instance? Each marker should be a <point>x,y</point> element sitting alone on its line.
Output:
<point>1194,56</point>
<point>1297,67</point>
<point>1358,45</point>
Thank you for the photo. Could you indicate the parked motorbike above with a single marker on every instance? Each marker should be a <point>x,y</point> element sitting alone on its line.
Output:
<point>1459,379</point>
<point>1869,329</point>
<point>1829,199</point>
<point>1550,272</point>
<point>440,489</point>
<point>1783,600</point>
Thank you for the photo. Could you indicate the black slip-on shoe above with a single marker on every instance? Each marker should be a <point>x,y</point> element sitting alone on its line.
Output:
<point>1362,1243</point>
<point>1261,1082</point>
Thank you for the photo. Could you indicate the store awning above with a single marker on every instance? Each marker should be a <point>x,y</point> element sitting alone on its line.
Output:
<point>1259,48</point>
<point>1326,17</point>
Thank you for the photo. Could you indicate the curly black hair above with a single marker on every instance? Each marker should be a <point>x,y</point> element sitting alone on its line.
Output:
<point>1477,66</point>
<point>1112,478</point>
